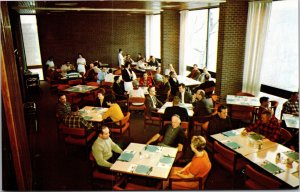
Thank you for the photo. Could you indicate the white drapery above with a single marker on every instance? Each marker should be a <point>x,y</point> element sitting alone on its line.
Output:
<point>183,42</point>
<point>257,27</point>
<point>153,36</point>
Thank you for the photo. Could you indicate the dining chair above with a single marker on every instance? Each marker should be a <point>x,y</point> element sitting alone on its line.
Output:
<point>75,82</point>
<point>133,107</point>
<point>242,113</point>
<point>124,184</point>
<point>209,145</point>
<point>197,183</point>
<point>99,178</point>
<point>285,136</point>
<point>155,119</point>
<point>121,127</point>
<point>78,136</point>
<point>274,105</point>
<point>92,83</point>
<point>257,180</point>
<point>227,159</point>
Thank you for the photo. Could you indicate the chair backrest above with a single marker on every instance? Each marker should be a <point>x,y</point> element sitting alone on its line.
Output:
<point>244,94</point>
<point>136,100</point>
<point>224,152</point>
<point>61,87</point>
<point>110,84</point>
<point>274,105</point>
<point>285,135</point>
<point>75,82</point>
<point>92,83</point>
<point>74,131</point>
<point>259,180</point>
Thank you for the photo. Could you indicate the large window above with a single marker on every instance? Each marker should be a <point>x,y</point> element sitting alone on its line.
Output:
<point>31,44</point>
<point>201,38</point>
<point>280,66</point>
<point>153,36</point>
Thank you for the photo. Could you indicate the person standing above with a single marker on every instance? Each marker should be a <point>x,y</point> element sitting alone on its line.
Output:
<point>120,58</point>
<point>127,76</point>
<point>81,63</point>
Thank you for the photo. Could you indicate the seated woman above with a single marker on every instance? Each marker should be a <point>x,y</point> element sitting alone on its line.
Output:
<point>198,167</point>
<point>136,92</point>
<point>146,81</point>
<point>114,112</point>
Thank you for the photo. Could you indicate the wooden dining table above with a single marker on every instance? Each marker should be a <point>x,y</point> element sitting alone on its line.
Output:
<point>188,82</point>
<point>146,161</point>
<point>262,152</point>
<point>93,114</point>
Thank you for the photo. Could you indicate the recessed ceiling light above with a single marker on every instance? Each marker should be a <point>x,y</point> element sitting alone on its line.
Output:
<point>66,4</point>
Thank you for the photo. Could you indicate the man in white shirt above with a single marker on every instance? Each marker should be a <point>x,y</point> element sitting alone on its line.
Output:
<point>120,58</point>
<point>109,76</point>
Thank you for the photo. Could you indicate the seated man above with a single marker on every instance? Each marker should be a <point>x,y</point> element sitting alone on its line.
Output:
<point>103,149</point>
<point>136,92</point>
<point>101,99</point>
<point>195,73</point>
<point>264,105</point>
<point>208,86</point>
<point>292,105</point>
<point>204,75</point>
<point>101,75</point>
<point>175,109</point>
<point>151,102</point>
<point>114,112</point>
<point>268,126</point>
<point>220,122</point>
<point>158,77</point>
<point>173,135</point>
<point>63,107</point>
<point>202,106</point>
<point>184,96</point>
<point>109,77</point>
<point>75,120</point>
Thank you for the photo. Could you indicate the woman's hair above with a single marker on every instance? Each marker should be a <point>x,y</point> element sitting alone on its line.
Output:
<point>199,142</point>
<point>116,78</point>
<point>135,83</point>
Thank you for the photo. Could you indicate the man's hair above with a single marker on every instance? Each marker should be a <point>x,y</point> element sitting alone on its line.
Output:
<point>102,128</point>
<point>109,70</point>
<point>171,73</point>
<point>222,107</point>
<point>149,88</point>
<point>60,94</point>
<point>176,100</point>
<point>116,78</point>
<point>74,107</point>
<point>181,85</point>
<point>135,83</point>
<point>199,142</point>
<point>110,98</point>
<point>167,76</point>
<point>195,65</point>
<point>120,50</point>
<point>202,93</point>
<point>102,91</point>
<point>263,99</point>
<point>267,112</point>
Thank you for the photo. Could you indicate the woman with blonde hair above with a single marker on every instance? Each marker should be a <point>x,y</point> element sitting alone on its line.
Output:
<point>198,167</point>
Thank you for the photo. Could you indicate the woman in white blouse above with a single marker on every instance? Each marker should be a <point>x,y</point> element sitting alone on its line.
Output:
<point>81,63</point>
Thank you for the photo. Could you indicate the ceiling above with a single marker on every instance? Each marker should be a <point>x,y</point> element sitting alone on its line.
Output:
<point>129,6</point>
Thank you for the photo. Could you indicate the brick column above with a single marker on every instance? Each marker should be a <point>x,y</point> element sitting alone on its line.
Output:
<point>231,47</point>
<point>170,27</point>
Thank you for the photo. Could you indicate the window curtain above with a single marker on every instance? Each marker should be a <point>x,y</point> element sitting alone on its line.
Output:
<point>183,42</point>
<point>153,36</point>
<point>257,27</point>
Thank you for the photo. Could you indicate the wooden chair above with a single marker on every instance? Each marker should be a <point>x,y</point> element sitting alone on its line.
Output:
<point>274,105</point>
<point>100,179</point>
<point>259,181</point>
<point>242,113</point>
<point>104,83</point>
<point>62,87</point>
<point>197,183</point>
<point>92,83</point>
<point>132,107</point>
<point>227,158</point>
<point>285,136</point>
<point>122,127</point>
<point>155,120</point>
<point>78,136</point>
<point>204,127</point>
<point>123,184</point>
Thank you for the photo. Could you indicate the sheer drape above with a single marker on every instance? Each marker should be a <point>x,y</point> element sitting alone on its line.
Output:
<point>153,36</point>
<point>257,26</point>
<point>183,43</point>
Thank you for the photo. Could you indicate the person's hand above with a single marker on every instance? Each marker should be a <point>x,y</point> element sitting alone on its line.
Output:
<point>244,132</point>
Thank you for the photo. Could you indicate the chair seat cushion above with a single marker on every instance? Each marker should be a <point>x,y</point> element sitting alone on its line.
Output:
<point>253,185</point>
<point>181,185</point>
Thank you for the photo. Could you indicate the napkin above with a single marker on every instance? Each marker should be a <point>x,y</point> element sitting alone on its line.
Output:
<point>232,145</point>
<point>271,167</point>
<point>229,133</point>
<point>126,156</point>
